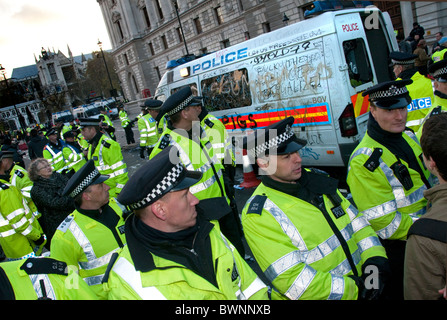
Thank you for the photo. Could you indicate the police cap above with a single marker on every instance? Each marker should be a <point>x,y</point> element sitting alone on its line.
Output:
<point>277,138</point>
<point>50,132</point>
<point>6,154</point>
<point>390,94</point>
<point>86,176</point>
<point>85,122</point>
<point>162,174</point>
<point>180,100</point>
<point>153,104</point>
<point>439,70</point>
<point>402,58</point>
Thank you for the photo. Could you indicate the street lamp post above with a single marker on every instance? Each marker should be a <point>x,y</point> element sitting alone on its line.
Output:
<point>112,91</point>
<point>3,72</point>
<point>174,2</point>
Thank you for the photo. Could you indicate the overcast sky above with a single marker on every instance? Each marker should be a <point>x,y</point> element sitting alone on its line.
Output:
<point>28,25</point>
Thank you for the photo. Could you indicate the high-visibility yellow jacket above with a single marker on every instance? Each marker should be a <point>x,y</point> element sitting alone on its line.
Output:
<point>109,161</point>
<point>19,178</point>
<point>19,228</point>
<point>439,105</point>
<point>85,242</point>
<point>438,55</point>
<point>380,195</point>
<point>219,138</point>
<point>147,127</point>
<point>421,93</point>
<point>196,157</point>
<point>300,252</point>
<point>169,280</point>
<point>43,278</point>
<point>124,118</point>
<point>74,158</point>
<point>55,156</point>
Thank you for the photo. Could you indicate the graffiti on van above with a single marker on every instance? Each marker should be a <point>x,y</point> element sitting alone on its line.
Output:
<point>309,115</point>
<point>227,91</point>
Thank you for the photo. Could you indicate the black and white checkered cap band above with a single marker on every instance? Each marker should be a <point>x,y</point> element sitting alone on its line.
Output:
<point>88,123</point>
<point>180,106</point>
<point>440,72</point>
<point>402,61</point>
<point>274,142</point>
<point>165,184</point>
<point>85,183</point>
<point>392,91</point>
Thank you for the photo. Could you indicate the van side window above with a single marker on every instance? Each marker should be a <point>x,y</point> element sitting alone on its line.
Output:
<point>227,91</point>
<point>359,67</point>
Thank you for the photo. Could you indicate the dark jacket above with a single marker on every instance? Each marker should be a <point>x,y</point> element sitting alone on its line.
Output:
<point>35,147</point>
<point>47,196</point>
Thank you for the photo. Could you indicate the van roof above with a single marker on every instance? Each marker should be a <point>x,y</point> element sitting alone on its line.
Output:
<point>303,30</point>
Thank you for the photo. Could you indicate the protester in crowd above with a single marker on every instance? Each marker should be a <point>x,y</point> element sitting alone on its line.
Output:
<point>36,144</point>
<point>47,196</point>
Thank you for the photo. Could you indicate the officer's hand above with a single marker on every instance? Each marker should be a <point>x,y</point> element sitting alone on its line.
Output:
<point>376,273</point>
<point>142,152</point>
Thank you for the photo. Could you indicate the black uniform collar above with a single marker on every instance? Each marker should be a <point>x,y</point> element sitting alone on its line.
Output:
<point>407,74</point>
<point>440,94</point>
<point>309,185</point>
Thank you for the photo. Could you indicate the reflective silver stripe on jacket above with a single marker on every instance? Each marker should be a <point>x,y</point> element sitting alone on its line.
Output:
<point>92,261</point>
<point>49,291</point>
<point>400,199</point>
<point>127,272</point>
<point>303,255</point>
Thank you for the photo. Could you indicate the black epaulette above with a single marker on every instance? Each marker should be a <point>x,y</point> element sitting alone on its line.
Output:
<point>373,161</point>
<point>4,186</point>
<point>257,204</point>
<point>164,142</point>
<point>429,228</point>
<point>112,261</point>
<point>209,123</point>
<point>105,144</point>
<point>44,266</point>
<point>19,173</point>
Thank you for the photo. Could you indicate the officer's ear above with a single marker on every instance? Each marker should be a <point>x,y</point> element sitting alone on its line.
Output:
<point>263,162</point>
<point>158,209</point>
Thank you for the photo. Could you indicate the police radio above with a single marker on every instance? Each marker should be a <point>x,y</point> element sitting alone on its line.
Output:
<point>403,175</point>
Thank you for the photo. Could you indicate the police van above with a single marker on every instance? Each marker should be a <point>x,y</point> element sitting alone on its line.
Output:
<point>314,70</point>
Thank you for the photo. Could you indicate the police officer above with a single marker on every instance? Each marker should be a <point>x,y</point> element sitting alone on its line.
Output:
<point>107,155</point>
<point>173,250</point>
<point>89,236</point>
<point>439,72</point>
<point>197,153</point>
<point>148,127</point>
<point>308,239</point>
<point>420,90</point>
<point>126,124</point>
<point>53,151</point>
<point>73,155</point>
<point>440,54</point>
<point>41,278</point>
<point>17,177</point>
<point>386,174</point>
<point>106,123</point>
<point>21,235</point>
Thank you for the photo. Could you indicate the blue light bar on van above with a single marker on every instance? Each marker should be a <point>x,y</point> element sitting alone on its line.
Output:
<point>175,63</point>
<point>319,7</point>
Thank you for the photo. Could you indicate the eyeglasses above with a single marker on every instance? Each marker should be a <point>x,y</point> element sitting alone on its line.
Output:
<point>44,167</point>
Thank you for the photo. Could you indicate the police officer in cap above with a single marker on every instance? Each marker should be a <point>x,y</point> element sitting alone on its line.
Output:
<point>106,153</point>
<point>420,90</point>
<point>42,278</point>
<point>197,153</point>
<point>439,72</point>
<point>304,234</point>
<point>386,174</point>
<point>53,151</point>
<point>174,250</point>
<point>148,126</point>
<point>89,235</point>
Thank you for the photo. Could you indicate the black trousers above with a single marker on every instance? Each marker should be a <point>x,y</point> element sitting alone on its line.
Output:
<point>395,251</point>
<point>129,134</point>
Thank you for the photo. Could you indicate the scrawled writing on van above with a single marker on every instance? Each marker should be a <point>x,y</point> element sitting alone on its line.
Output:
<point>261,58</point>
<point>291,81</point>
<point>226,91</point>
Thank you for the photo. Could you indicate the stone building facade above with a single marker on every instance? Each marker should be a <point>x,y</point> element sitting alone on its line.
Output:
<point>146,34</point>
